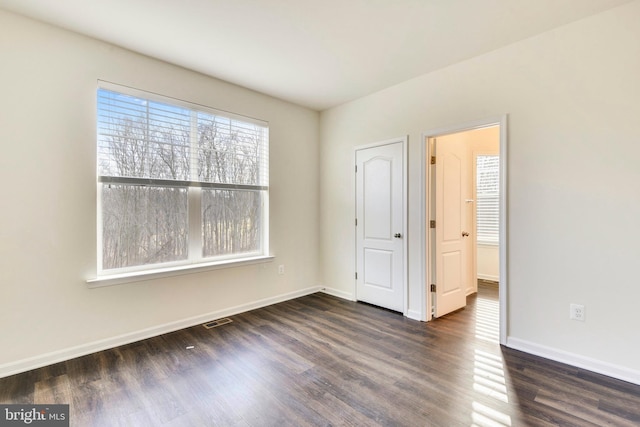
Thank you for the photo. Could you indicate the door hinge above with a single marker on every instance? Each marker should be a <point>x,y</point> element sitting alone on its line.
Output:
<point>356,168</point>
<point>356,222</point>
<point>433,160</point>
<point>432,223</point>
<point>356,276</point>
<point>433,287</point>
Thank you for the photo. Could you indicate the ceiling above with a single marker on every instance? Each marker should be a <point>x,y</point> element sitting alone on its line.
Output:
<point>316,53</point>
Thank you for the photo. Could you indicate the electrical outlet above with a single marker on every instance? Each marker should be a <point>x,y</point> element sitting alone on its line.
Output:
<point>576,312</point>
<point>281,269</point>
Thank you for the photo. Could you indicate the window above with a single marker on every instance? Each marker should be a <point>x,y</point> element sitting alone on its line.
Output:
<point>488,199</point>
<point>178,183</point>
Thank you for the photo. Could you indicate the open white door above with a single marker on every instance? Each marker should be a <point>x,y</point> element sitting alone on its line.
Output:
<point>380,277</point>
<point>451,172</point>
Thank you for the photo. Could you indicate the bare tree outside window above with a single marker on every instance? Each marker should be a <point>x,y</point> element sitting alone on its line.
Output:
<point>151,156</point>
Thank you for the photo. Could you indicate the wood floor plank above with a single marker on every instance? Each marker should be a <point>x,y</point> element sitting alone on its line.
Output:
<point>583,407</point>
<point>323,361</point>
<point>52,390</point>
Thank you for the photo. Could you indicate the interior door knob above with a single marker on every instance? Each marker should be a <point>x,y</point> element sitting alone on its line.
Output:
<point>397,235</point>
<point>465,234</point>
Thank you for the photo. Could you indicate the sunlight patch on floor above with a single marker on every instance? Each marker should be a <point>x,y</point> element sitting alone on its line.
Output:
<point>488,376</point>
<point>484,416</point>
<point>488,368</point>
<point>487,324</point>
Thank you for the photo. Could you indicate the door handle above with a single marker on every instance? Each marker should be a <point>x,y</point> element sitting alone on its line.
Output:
<point>397,236</point>
<point>465,234</point>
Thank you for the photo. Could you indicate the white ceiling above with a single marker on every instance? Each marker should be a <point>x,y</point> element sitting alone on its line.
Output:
<point>317,53</point>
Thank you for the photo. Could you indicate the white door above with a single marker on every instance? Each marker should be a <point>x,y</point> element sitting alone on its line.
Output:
<point>380,278</point>
<point>451,174</point>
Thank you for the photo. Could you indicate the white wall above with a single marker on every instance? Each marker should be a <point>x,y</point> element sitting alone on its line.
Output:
<point>48,215</point>
<point>572,96</point>
<point>488,262</point>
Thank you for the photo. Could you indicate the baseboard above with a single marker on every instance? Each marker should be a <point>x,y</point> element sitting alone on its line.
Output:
<point>46,359</point>
<point>414,315</point>
<point>337,293</point>
<point>579,361</point>
<point>489,277</point>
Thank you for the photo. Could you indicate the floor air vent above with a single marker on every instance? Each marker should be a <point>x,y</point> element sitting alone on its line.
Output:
<point>216,323</point>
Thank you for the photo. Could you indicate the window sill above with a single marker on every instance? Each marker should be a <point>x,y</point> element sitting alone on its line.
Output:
<point>488,244</point>
<point>159,273</point>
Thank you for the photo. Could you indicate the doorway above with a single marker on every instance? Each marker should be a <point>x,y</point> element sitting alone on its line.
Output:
<point>451,206</point>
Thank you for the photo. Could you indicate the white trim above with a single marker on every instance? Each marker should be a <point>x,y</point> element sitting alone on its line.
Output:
<point>338,293</point>
<point>178,270</point>
<point>504,190</point>
<point>425,204</point>
<point>46,359</point>
<point>405,221</point>
<point>488,277</point>
<point>576,360</point>
<point>487,244</point>
<point>414,315</point>
<point>405,212</point>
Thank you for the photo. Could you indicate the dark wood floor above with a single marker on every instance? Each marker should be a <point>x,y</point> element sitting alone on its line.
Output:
<point>321,361</point>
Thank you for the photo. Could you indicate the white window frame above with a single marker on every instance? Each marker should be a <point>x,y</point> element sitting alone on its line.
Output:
<point>477,196</point>
<point>195,261</point>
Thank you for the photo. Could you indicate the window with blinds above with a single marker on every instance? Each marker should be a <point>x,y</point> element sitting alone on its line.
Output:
<point>487,198</point>
<point>177,182</point>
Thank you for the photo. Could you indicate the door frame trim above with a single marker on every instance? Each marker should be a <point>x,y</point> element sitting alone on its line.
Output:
<point>425,208</point>
<point>405,211</point>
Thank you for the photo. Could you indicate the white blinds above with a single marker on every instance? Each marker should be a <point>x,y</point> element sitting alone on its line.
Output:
<point>145,139</point>
<point>487,198</point>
